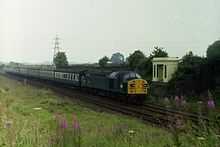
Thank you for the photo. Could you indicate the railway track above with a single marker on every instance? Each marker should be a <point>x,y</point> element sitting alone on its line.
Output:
<point>194,117</point>
<point>154,114</point>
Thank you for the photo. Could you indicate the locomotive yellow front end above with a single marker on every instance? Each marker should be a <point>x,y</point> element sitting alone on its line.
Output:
<point>138,87</point>
<point>137,91</point>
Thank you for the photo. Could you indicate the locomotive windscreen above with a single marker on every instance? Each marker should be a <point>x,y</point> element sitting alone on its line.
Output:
<point>124,75</point>
<point>131,75</point>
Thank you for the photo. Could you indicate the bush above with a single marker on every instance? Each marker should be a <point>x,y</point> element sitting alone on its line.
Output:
<point>213,52</point>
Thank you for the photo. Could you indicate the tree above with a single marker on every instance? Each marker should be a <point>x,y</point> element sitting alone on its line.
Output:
<point>135,59</point>
<point>213,56</point>
<point>190,63</point>
<point>158,52</point>
<point>192,75</point>
<point>60,60</point>
<point>103,61</point>
<point>117,58</point>
<point>14,64</point>
<point>213,52</point>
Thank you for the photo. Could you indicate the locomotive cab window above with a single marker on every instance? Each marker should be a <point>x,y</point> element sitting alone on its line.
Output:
<point>131,75</point>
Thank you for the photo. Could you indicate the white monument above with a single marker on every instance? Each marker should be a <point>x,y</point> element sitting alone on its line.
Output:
<point>164,68</point>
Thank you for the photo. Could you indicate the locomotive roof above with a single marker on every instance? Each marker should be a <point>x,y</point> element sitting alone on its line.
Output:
<point>122,74</point>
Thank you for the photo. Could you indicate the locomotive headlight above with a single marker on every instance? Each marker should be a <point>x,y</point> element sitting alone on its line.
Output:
<point>121,86</point>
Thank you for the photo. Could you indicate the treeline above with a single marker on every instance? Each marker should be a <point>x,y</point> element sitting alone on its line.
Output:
<point>196,75</point>
<point>136,61</point>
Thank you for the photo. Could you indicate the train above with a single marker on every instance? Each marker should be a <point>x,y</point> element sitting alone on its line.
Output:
<point>126,86</point>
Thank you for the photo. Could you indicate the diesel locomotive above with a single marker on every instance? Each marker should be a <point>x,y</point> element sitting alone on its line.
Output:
<point>127,86</point>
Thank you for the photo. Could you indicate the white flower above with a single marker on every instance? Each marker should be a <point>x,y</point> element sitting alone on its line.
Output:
<point>200,138</point>
<point>131,132</point>
<point>37,108</point>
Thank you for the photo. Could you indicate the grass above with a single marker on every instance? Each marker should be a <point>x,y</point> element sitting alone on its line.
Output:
<point>36,117</point>
<point>27,117</point>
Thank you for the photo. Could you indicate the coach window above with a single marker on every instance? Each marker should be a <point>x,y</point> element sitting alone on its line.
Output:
<point>67,76</point>
<point>76,77</point>
<point>64,76</point>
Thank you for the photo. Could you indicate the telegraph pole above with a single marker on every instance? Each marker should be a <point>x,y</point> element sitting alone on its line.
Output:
<point>56,46</point>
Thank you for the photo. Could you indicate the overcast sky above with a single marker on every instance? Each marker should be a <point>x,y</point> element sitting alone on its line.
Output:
<point>90,29</point>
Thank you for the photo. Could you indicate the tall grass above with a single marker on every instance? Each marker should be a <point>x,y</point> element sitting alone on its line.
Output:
<point>31,117</point>
<point>66,134</point>
<point>203,134</point>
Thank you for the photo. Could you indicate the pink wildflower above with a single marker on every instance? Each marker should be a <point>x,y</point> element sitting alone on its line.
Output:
<point>211,103</point>
<point>63,124</point>
<point>75,123</point>
<point>61,121</point>
<point>177,99</point>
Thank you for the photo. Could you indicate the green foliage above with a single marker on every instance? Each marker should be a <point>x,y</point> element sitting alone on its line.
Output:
<point>158,52</point>
<point>146,65</point>
<point>190,64</point>
<point>213,51</point>
<point>103,61</point>
<point>191,76</point>
<point>144,68</point>
<point>142,64</point>
<point>60,60</point>
<point>117,58</point>
<point>135,59</point>
<point>14,64</point>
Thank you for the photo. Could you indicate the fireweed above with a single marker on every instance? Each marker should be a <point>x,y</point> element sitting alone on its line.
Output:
<point>211,104</point>
<point>177,101</point>
<point>76,131</point>
<point>66,135</point>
